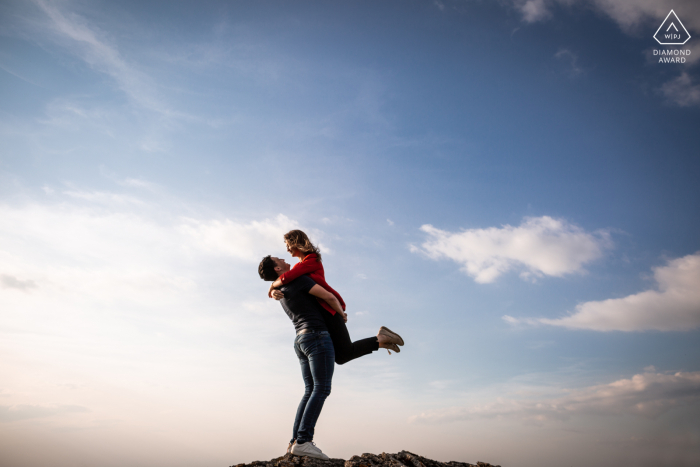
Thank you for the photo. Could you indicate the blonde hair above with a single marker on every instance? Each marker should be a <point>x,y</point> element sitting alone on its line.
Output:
<point>298,239</point>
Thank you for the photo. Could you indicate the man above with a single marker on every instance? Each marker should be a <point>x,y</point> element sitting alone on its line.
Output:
<point>313,346</point>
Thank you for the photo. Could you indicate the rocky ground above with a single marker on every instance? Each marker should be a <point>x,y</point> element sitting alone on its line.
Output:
<point>401,459</point>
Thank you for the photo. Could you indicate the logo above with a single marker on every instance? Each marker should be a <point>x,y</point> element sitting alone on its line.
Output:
<point>672,31</point>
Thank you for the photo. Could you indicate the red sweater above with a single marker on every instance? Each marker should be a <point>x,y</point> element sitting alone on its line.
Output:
<point>309,265</point>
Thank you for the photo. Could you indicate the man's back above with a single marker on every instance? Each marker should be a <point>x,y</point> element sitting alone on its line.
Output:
<point>301,307</point>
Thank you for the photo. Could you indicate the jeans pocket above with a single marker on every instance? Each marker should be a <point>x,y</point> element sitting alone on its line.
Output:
<point>306,342</point>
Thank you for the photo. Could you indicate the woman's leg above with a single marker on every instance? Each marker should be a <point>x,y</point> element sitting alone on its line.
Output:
<point>320,355</point>
<point>345,349</point>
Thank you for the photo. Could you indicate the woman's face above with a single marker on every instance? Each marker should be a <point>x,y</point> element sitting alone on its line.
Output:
<point>293,251</point>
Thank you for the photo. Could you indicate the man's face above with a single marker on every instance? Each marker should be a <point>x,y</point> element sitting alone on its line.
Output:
<point>281,265</point>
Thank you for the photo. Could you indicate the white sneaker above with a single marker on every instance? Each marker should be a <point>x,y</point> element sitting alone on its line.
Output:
<point>308,449</point>
<point>289,448</point>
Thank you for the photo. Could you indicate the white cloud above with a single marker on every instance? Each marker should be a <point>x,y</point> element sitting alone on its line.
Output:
<point>647,394</point>
<point>539,246</point>
<point>110,246</point>
<point>248,242</point>
<point>631,15</point>
<point>123,299</point>
<point>11,282</point>
<point>24,411</point>
<point>675,306</point>
<point>571,59</point>
<point>102,56</point>
<point>628,14</point>
<point>102,197</point>
<point>138,183</point>
<point>682,91</point>
<point>440,384</point>
<point>533,10</point>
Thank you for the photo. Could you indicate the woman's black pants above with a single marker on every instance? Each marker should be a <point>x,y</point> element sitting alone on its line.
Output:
<point>345,349</point>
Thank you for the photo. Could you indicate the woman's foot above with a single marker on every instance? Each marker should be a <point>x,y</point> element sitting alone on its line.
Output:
<point>387,336</point>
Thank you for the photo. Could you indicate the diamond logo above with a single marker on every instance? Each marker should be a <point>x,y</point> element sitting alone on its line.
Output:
<point>672,31</point>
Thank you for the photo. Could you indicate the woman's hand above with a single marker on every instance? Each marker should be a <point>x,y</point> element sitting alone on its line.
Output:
<point>345,317</point>
<point>269,292</point>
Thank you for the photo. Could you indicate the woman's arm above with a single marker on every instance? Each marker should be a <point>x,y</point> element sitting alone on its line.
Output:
<point>323,294</point>
<point>299,269</point>
<point>273,286</point>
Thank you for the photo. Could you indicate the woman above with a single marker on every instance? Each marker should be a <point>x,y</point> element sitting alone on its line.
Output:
<point>299,246</point>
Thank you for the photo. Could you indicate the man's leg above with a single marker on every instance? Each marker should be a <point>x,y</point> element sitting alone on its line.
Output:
<point>308,386</point>
<point>345,349</point>
<point>318,348</point>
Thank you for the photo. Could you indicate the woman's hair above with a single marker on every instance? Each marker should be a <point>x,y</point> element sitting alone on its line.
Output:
<point>298,239</point>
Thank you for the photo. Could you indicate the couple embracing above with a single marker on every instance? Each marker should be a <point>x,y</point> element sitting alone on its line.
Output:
<point>318,314</point>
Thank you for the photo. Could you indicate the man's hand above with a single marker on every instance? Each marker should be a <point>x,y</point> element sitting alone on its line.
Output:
<point>345,317</point>
<point>275,284</point>
<point>276,294</point>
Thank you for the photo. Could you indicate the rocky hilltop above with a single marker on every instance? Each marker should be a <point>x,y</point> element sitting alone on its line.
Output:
<point>401,459</point>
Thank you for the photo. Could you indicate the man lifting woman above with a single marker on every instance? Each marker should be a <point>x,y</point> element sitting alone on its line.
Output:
<point>318,314</point>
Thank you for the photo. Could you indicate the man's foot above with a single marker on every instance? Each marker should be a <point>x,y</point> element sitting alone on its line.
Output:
<point>393,347</point>
<point>387,336</point>
<point>308,449</point>
<point>289,448</point>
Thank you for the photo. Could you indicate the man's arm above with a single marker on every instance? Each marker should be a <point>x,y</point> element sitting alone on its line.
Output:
<point>323,294</point>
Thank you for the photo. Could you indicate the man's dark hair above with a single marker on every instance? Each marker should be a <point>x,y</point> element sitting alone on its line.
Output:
<point>267,269</point>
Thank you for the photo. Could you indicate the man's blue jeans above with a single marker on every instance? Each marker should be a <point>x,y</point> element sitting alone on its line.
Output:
<point>317,359</point>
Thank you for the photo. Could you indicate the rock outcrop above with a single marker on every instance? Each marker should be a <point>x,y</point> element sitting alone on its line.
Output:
<point>401,459</point>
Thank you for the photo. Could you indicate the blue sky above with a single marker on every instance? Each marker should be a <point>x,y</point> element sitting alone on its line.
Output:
<point>510,185</point>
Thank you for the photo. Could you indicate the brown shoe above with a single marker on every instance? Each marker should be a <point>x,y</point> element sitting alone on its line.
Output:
<point>393,347</point>
<point>395,338</point>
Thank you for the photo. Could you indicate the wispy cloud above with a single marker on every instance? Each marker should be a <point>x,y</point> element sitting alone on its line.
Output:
<point>111,245</point>
<point>124,299</point>
<point>533,10</point>
<point>682,91</point>
<point>628,14</point>
<point>11,282</point>
<point>648,394</point>
<point>17,75</point>
<point>138,183</point>
<point>631,15</point>
<point>571,59</point>
<point>246,241</point>
<point>674,306</point>
<point>87,43</point>
<point>24,411</point>
<point>103,197</point>
<point>540,246</point>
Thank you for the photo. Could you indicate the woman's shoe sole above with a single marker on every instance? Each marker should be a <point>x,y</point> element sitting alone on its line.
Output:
<point>391,333</point>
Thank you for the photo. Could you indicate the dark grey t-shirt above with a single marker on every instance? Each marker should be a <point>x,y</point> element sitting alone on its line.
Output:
<point>302,307</point>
